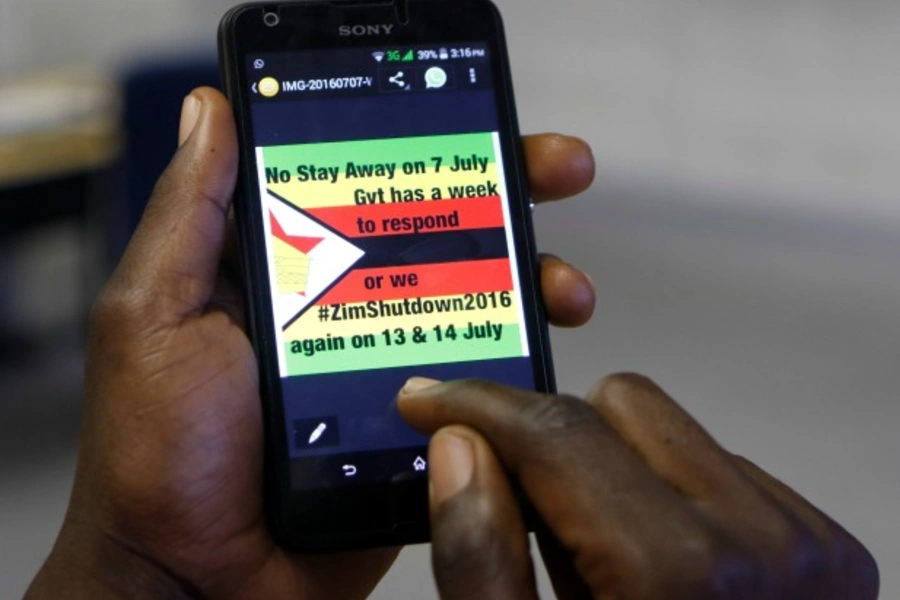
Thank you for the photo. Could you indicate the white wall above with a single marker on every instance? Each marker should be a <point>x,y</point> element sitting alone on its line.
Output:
<point>790,105</point>
<point>785,106</point>
<point>47,33</point>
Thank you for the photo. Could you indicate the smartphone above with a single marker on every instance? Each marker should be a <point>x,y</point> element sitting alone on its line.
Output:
<point>385,232</point>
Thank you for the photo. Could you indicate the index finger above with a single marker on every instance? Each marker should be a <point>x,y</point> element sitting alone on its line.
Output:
<point>559,166</point>
<point>590,489</point>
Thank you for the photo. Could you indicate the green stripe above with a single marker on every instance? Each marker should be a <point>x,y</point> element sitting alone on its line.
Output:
<point>410,354</point>
<point>396,151</point>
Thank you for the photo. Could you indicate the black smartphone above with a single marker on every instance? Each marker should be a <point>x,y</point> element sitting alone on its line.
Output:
<point>385,231</point>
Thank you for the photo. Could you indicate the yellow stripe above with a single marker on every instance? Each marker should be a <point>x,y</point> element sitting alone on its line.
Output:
<point>309,326</point>
<point>318,194</point>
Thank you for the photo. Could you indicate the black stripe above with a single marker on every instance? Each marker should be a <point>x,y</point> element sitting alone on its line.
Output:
<point>427,248</point>
<point>420,249</point>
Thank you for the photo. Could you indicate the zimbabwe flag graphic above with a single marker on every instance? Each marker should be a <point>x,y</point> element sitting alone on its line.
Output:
<point>390,253</point>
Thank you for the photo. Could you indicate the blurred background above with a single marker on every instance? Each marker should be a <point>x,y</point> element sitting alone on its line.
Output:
<point>744,230</point>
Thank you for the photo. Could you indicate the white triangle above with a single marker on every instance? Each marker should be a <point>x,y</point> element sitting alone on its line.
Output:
<point>329,261</point>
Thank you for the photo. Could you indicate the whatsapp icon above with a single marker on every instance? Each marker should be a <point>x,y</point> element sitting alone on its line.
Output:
<point>435,78</point>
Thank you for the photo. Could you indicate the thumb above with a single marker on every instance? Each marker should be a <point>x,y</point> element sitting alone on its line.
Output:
<point>173,258</point>
<point>479,542</point>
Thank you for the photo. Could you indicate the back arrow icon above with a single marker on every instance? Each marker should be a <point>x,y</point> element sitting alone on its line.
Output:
<point>255,91</point>
<point>349,470</point>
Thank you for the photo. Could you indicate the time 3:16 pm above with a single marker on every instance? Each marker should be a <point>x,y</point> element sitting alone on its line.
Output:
<point>445,53</point>
<point>467,53</point>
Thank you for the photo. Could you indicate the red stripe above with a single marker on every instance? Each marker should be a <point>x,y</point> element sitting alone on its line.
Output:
<point>398,219</point>
<point>443,279</point>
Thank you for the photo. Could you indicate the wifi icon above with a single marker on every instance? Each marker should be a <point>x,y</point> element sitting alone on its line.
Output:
<point>379,56</point>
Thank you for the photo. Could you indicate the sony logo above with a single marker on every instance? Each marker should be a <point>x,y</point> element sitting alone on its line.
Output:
<point>348,30</point>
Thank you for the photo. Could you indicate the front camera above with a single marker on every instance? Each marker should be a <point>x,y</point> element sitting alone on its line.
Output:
<point>271,19</point>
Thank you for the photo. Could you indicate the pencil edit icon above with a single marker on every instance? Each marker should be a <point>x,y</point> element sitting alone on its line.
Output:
<point>317,433</point>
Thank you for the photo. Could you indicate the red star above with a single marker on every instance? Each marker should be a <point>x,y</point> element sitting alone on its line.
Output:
<point>301,243</point>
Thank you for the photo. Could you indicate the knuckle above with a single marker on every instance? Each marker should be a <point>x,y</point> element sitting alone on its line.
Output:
<point>721,568</point>
<point>560,415</point>
<point>619,388</point>
<point>853,562</point>
<point>805,555</point>
<point>739,573</point>
<point>701,564</point>
<point>785,530</point>
<point>794,554</point>
<point>799,553</point>
<point>864,570</point>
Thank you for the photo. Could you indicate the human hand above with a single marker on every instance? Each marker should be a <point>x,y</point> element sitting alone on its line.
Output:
<point>167,500</point>
<point>637,502</point>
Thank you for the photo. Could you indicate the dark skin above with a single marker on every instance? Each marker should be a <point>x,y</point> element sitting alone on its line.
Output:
<point>167,500</point>
<point>637,501</point>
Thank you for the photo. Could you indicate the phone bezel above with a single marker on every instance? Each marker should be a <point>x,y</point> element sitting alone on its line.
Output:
<point>393,513</point>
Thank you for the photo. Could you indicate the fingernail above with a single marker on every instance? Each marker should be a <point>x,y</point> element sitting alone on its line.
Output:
<point>418,384</point>
<point>190,114</point>
<point>452,465</point>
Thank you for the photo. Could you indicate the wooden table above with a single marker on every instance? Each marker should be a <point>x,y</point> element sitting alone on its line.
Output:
<point>56,131</point>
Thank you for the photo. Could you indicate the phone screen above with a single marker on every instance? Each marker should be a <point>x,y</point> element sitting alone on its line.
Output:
<point>390,245</point>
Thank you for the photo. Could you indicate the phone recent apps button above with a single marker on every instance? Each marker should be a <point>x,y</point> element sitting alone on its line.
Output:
<point>310,434</point>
